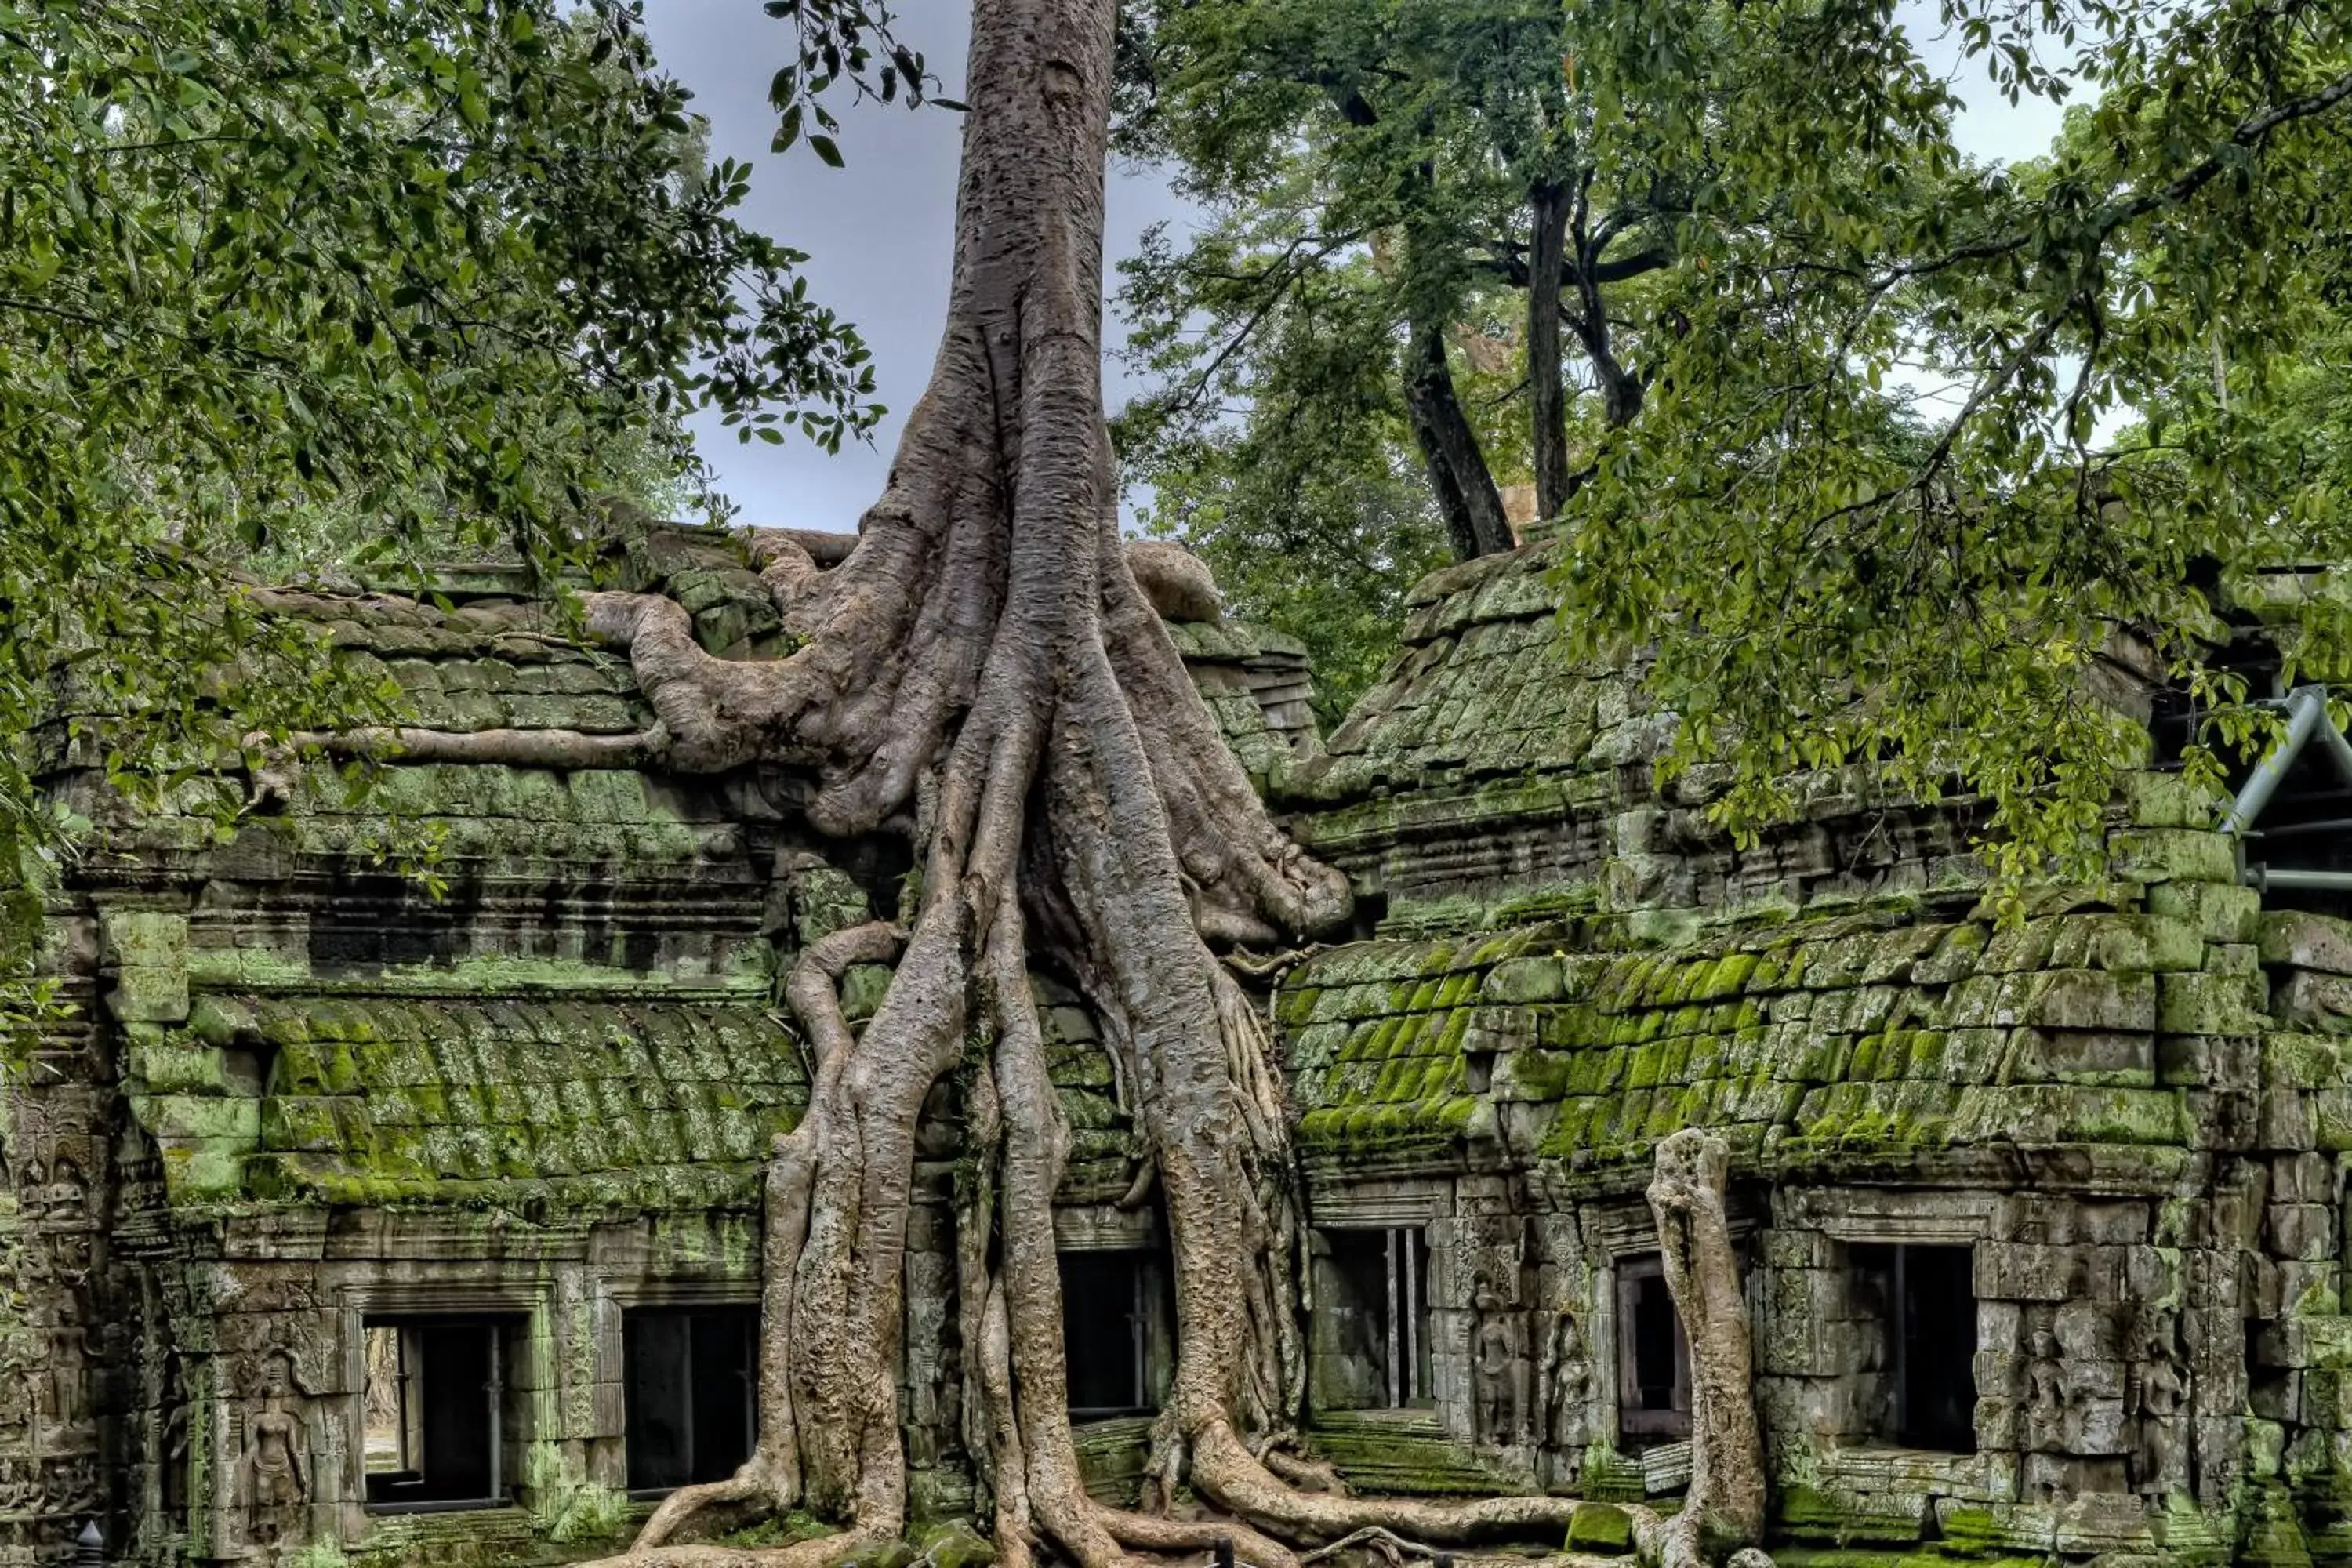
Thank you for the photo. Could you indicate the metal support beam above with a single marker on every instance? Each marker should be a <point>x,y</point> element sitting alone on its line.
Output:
<point>2306,715</point>
<point>2285,879</point>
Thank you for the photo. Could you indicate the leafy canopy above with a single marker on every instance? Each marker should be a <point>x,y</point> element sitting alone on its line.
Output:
<point>1923,460</point>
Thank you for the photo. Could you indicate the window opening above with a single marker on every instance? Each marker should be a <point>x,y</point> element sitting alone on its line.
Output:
<point>692,1378</point>
<point>1653,1398</point>
<point>1111,1332</point>
<point>435,1408</point>
<point>1924,1301</point>
<point>1372,1320</point>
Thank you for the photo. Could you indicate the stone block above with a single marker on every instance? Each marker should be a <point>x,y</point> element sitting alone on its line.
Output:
<point>2001,1326</point>
<point>2088,1055</point>
<point>1783,1246</point>
<point>141,939</point>
<point>2224,1119</point>
<point>2302,940</point>
<point>2209,1003</point>
<point>2289,1121</point>
<point>2096,1425</point>
<point>2210,1061</point>
<point>2151,1273</point>
<point>2276,1396</point>
<point>2331,1121</point>
<point>2304,1178</point>
<point>2154,799</point>
<point>2019,1271</point>
<point>2097,1516</point>
<point>1790,1338</point>
<point>1522,981</point>
<point>2173,855</point>
<point>2089,1333</point>
<point>149,993</point>
<point>2232,958</point>
<point>2221,912</point>
<point>2130,943</point>
<point>2305,1231</point>
<point>2306,999</point>
<point>1999,1374</point>
<point>174,1064</point>
<point>2326,1398</point>
<point>2308,1285</point>
<point>181,1116</point>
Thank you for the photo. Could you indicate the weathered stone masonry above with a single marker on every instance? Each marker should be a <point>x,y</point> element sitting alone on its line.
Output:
<point>2043,1225</point>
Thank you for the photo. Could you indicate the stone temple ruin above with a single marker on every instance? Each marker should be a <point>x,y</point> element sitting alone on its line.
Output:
<point>345,1224</point>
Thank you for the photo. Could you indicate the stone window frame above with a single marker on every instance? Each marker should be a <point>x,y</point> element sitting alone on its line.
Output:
<point>1652,1425</point>
<point>612,1300</point>
<point>1857,1215</point>
<point>1620,1231</point>
<point>530,1301</point>
<point>1425,1204</point>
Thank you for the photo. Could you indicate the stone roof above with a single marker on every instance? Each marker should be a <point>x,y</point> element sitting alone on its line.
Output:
<point>1869,1032</point>
<point>586,1103</point>
<point>1258,685</point>
<point>1480,692</point>
<point>1488,779</point>
<point>380,1100</point>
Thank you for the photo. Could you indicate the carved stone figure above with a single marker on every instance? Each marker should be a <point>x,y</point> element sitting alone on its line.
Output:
<point>2045,1404</point>
<point>64,1411</point>
<point>2163,1452</point>
<point>269,1469</point>
<point>1493,1361</point>
<point>1572,1380</point>
<point>2157,1395</point>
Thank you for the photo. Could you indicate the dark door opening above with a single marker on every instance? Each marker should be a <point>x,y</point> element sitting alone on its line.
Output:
<point>692,1377</point>
<point>1112,1317</point>
<point>1927,1312</point>
<point>436,1411</point>
<point>1652,1356</point>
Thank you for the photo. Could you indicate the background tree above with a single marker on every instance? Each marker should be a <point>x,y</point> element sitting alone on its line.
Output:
<point>1956,608</point>
<point>1308,504</point>
<point>1529,160</point>
<point>1436,234</point>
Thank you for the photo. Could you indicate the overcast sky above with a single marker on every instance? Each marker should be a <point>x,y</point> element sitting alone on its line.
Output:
<point>879,232</point>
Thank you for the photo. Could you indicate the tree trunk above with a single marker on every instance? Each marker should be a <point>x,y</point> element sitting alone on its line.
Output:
<point>1547,390</point>
<point>1622,391</point>
<point>1467,496</point>
<point>983,671</point>
<point>1726,1505</point>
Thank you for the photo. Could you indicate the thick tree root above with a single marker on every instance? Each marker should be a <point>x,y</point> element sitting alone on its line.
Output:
<point>823,1552</point>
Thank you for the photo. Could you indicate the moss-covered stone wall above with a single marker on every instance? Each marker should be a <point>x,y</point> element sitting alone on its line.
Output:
<point>307,1092</point>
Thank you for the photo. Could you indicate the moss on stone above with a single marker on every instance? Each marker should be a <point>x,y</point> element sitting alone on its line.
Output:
<point>1599,1527</point>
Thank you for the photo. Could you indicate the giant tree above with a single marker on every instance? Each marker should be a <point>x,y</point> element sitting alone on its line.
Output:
<point>985,673</point>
